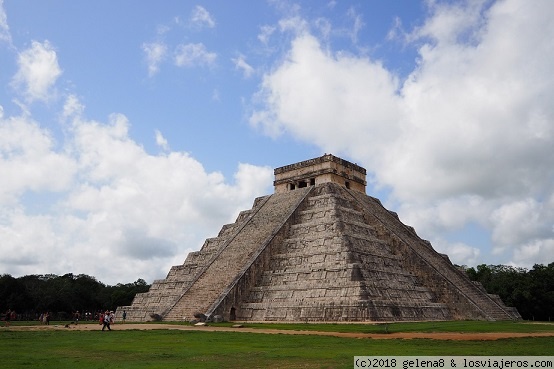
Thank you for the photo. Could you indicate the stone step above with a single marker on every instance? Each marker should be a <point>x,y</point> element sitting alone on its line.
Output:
<point>309,269</point>
<point>164,293</point>
<point>343,302</point>
<point>222,271</point>
<point>346,310</point>
<point>441,265</point>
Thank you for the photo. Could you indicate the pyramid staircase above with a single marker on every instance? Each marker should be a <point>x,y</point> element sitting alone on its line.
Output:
<point>164,293</point>
<point>254,233</point>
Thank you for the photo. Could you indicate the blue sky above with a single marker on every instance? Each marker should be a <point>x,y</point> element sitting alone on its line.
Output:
<point>132,131</point>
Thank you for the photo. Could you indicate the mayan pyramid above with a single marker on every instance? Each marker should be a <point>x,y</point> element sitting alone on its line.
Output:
<point>318,249</point>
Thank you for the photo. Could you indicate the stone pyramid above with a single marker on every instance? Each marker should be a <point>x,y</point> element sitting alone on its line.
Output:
<point>318,249</point>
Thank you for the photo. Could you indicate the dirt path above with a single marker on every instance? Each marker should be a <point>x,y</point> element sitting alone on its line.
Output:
<point>407,335</point>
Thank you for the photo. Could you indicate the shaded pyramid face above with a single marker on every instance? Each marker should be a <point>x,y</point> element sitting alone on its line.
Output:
<point>334,265</point>
<point>319,253</point>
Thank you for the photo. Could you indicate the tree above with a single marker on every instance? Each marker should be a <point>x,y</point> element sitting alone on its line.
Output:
<point>12,294</point>
<point>34,294</point>
<point>531,292</point>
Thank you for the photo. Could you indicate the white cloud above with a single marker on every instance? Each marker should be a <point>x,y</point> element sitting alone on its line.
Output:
<point>324,26</point>
<point>534,252</point>
<point>28,242</point>
<point>38,71</point>
<point>241,64</point>
<point>155,54</point>
<point>193,55</point>
<point>5,35</point>
<point>200,17</point>
<point>184,55</point>
<point>471,108</point>
<point>28,161</point>
<point>72,107</point>
<point>265,34</point>
<point>471,122</point>
<point>295,24</point>
<point>114,201</point>
<point>458,252</point>
<point>357,26</point>
<point>517,222</point>
<point>357,94</point>
<point>450,23</point>
<point>161,141</point>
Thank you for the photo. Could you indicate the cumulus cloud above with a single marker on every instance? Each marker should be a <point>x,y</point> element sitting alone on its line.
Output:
<point>357,94</point>
<point>38,71</point>
<point>113,200</point>
<point>28,161</point>
<point>28,242</point>
<point>458,251</point>
<point>472,122</point>
<point>190,55</point>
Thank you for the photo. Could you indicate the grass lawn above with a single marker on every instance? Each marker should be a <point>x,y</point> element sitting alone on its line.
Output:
<point>196,349</point>
<point>449,326</point>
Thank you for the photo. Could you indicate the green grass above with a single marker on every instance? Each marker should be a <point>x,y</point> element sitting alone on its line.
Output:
<point>449,326</point>
<point>197,349</point>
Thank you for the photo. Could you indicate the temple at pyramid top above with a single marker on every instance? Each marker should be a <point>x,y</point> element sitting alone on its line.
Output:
<point>326,168</point>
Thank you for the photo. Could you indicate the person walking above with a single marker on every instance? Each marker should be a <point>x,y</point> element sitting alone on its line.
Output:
<point>106,321</point>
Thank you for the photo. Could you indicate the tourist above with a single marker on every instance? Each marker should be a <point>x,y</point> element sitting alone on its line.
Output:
<point>106,320</point>
<point>124,316</point>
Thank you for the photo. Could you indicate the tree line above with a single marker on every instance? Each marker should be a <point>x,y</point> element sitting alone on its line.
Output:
<point>530,291</point>
<point>63,296</point>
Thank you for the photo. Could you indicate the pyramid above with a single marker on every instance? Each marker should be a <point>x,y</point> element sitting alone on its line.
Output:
<point>320,250</point>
